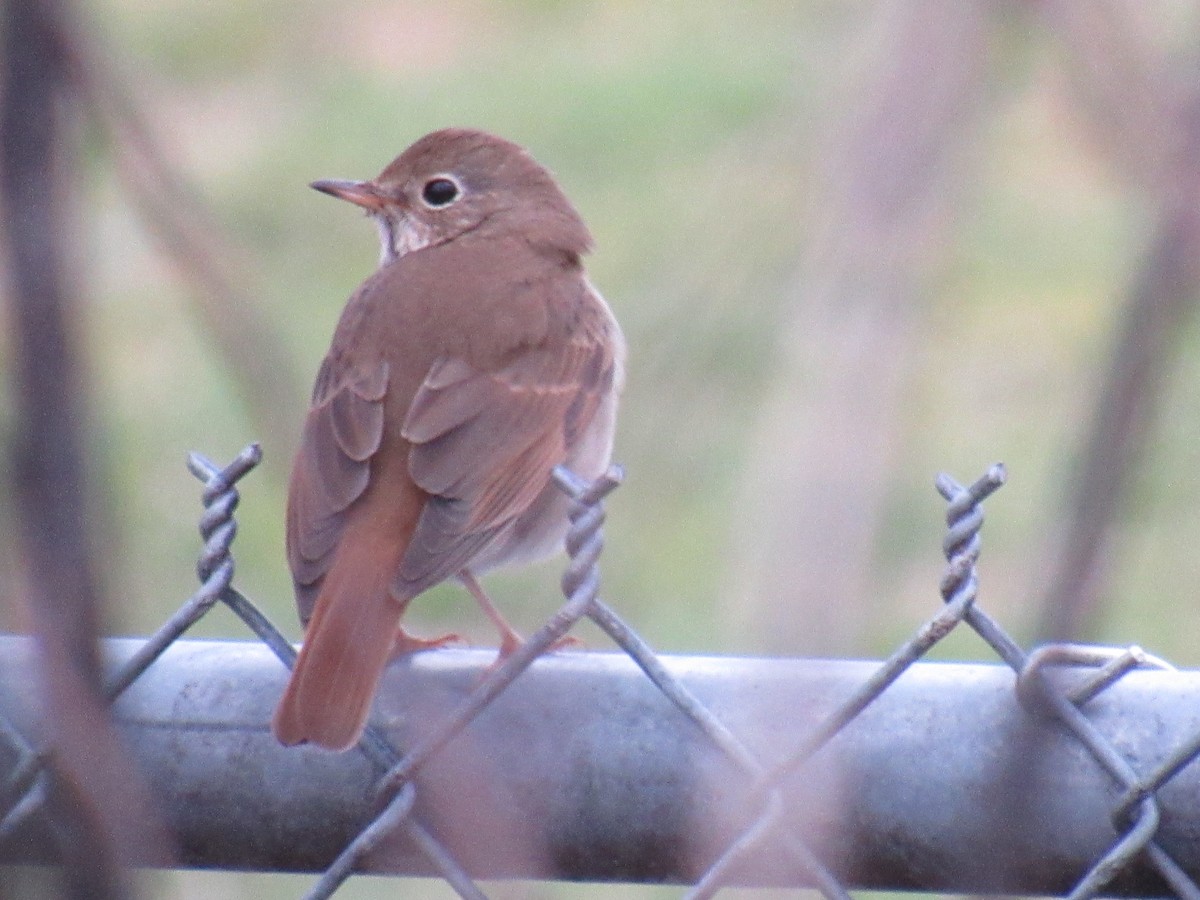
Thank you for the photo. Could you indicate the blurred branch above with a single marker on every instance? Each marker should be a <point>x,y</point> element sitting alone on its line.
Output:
<point>225,298</point>
<point>1156,137</point>
<point>813,495</point>
<point>105,808</point>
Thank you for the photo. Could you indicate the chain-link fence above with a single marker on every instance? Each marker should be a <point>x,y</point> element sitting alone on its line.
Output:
<point>708,772</point>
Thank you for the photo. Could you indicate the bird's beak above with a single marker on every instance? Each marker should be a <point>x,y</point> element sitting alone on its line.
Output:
<point>361,193</point>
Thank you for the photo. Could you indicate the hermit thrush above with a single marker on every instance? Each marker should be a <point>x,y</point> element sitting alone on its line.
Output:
<point>471,363</point>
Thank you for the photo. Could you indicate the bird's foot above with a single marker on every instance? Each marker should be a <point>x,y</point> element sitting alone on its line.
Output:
<point>406,643</point>
<point>511,642</point>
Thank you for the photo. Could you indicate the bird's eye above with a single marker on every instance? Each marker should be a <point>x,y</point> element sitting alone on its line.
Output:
<point>440,191</point>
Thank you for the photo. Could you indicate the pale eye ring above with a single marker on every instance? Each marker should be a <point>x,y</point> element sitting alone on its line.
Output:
<point>440,191</point>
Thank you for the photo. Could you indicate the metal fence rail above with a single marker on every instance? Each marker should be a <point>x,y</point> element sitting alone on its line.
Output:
<point>583,770</point>
<point>1063,771</point>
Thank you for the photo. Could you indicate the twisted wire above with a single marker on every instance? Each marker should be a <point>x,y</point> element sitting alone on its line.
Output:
<point>1139,808</point>
<point>584,539</point>
<point>215,565</point>
<point>964,519</point>
<point>217,526</point>
<point>24,790</point>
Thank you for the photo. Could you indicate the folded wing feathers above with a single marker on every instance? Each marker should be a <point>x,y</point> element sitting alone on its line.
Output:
<point>343,430</point>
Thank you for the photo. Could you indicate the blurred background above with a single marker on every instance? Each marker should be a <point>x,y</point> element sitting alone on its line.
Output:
<point>851,245</point>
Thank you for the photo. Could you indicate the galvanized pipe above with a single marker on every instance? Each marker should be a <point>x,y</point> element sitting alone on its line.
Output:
<point>583,770</point>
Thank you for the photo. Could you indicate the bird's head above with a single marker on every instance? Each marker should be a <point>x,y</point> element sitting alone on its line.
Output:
<point>458,181</point>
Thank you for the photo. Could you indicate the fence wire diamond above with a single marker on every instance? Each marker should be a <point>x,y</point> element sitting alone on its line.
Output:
<point>1135,814</point>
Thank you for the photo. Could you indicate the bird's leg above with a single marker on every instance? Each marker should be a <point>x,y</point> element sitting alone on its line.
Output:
<point>510,640</point>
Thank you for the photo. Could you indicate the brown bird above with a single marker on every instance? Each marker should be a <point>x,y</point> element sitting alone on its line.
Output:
<point>471,363</point>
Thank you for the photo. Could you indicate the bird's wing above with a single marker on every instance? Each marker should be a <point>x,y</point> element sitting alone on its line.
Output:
<point>343,430</point>
<point>484,445</point>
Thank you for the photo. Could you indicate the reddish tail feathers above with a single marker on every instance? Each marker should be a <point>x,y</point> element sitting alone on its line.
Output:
<point>346,648</point>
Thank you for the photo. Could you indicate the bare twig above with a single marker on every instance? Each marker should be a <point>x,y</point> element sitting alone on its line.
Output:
<point>106,810</point>
<point>1157,137</point>
<point>227,301</point>
<point>813,495</point>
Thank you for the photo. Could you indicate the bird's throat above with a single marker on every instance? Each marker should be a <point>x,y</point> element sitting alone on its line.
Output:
<point>400,234</point>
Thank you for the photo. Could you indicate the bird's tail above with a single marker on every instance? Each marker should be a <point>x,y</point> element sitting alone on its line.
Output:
<point>346,648</point>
